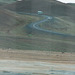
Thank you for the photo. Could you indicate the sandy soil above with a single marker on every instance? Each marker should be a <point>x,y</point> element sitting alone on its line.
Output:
<point>42,62</point>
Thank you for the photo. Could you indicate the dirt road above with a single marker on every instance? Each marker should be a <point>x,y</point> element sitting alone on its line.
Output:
<point>37,62</point>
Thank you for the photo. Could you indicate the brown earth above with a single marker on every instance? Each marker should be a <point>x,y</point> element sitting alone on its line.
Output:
<point>36,61</point>
<point>33,55</point>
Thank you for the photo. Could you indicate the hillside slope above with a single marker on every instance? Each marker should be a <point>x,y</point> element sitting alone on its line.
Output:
<point>12,22</point>
<point>7,19</point>
<point>10,19</point>
<point>7,1</point>
<point>49,7</point>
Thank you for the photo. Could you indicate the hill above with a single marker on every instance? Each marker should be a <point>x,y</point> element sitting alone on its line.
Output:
<point>12,22</point>
<point>7,19</point>
<point>49,7</point>
<point>72,4</point>
<point>7,1</point>
<point>2,4</point>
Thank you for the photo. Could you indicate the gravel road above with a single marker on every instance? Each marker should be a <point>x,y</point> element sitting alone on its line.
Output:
<point>15,67</point>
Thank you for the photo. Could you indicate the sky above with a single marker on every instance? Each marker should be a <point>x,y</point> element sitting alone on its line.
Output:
<point>67,1</point>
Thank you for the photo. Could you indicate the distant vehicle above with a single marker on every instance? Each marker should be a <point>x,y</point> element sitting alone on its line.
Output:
<point>40,12</point>
<point>19,0</point>
<point>49,17</point>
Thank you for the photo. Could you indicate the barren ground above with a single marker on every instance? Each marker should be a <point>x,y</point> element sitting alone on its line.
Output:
<point>37,62</point>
